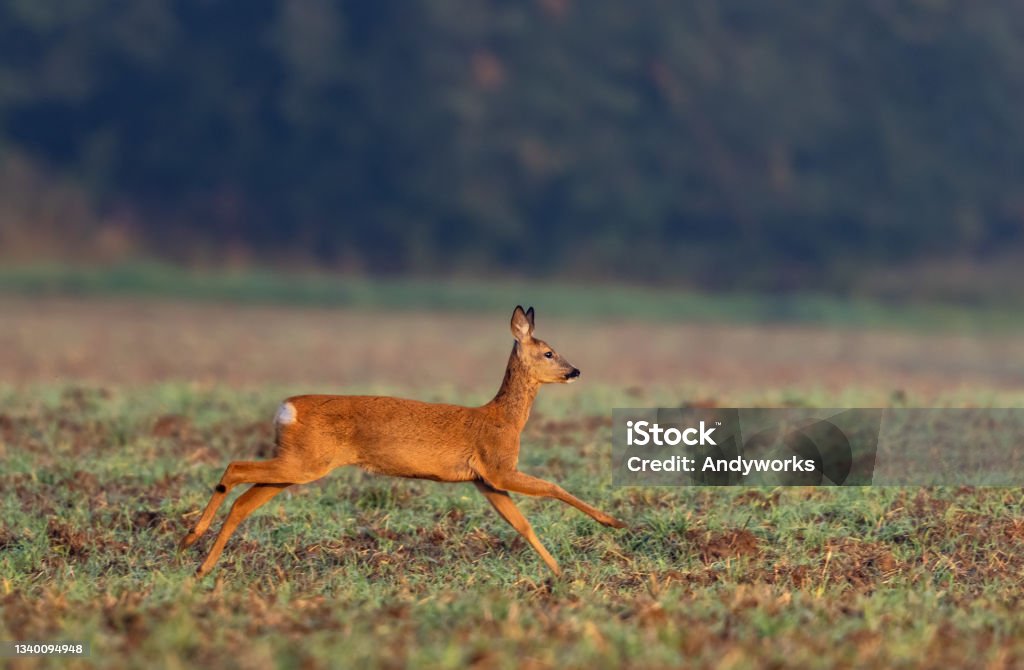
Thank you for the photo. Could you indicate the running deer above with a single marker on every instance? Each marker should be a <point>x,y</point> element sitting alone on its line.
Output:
<point>409,438</point>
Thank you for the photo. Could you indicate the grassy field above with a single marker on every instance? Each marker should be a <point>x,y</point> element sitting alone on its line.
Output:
<point>117,417</point>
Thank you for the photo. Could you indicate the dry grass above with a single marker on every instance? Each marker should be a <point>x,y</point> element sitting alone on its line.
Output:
<point>135,342</point>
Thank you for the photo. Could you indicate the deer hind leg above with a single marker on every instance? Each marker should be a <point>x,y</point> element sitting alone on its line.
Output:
<point>274,471</point>
<point>503,504</point>
<point>246,504</point>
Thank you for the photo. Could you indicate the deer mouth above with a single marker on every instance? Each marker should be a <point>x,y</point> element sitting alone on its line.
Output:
<point>570,377</point>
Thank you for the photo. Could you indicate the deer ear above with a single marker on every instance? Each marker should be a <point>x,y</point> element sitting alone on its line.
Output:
<point>529,317</point>
<point>521,326</point>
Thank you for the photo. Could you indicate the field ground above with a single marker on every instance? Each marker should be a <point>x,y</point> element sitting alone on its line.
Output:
<point>118,415</point>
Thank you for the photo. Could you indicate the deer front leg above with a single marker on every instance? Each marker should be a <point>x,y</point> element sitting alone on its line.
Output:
<point>503,504</point>
<point>517,482</point>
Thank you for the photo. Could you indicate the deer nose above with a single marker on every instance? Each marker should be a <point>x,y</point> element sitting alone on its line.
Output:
<point>574,374</point>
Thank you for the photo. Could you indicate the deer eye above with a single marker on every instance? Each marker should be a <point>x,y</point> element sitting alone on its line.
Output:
<point>548,354</point>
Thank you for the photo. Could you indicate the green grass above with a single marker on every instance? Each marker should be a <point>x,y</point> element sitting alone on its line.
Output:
<point>96,488</point>
<point>587,301</point>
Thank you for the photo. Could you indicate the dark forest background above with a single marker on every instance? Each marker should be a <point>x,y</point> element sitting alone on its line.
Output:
<point>737,145</point>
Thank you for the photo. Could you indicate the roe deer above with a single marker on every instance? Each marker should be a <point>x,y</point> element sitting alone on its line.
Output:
<point>408,438</point>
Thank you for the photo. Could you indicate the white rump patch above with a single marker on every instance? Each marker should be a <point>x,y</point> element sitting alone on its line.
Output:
<point>285,414</point>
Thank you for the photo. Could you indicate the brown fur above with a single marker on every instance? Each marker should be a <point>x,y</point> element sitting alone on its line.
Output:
<point>409,438</point>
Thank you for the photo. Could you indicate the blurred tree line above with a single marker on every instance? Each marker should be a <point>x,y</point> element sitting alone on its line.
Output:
<point>730,144</point>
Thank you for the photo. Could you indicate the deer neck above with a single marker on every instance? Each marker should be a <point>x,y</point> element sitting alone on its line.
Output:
<point>517,392</point>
